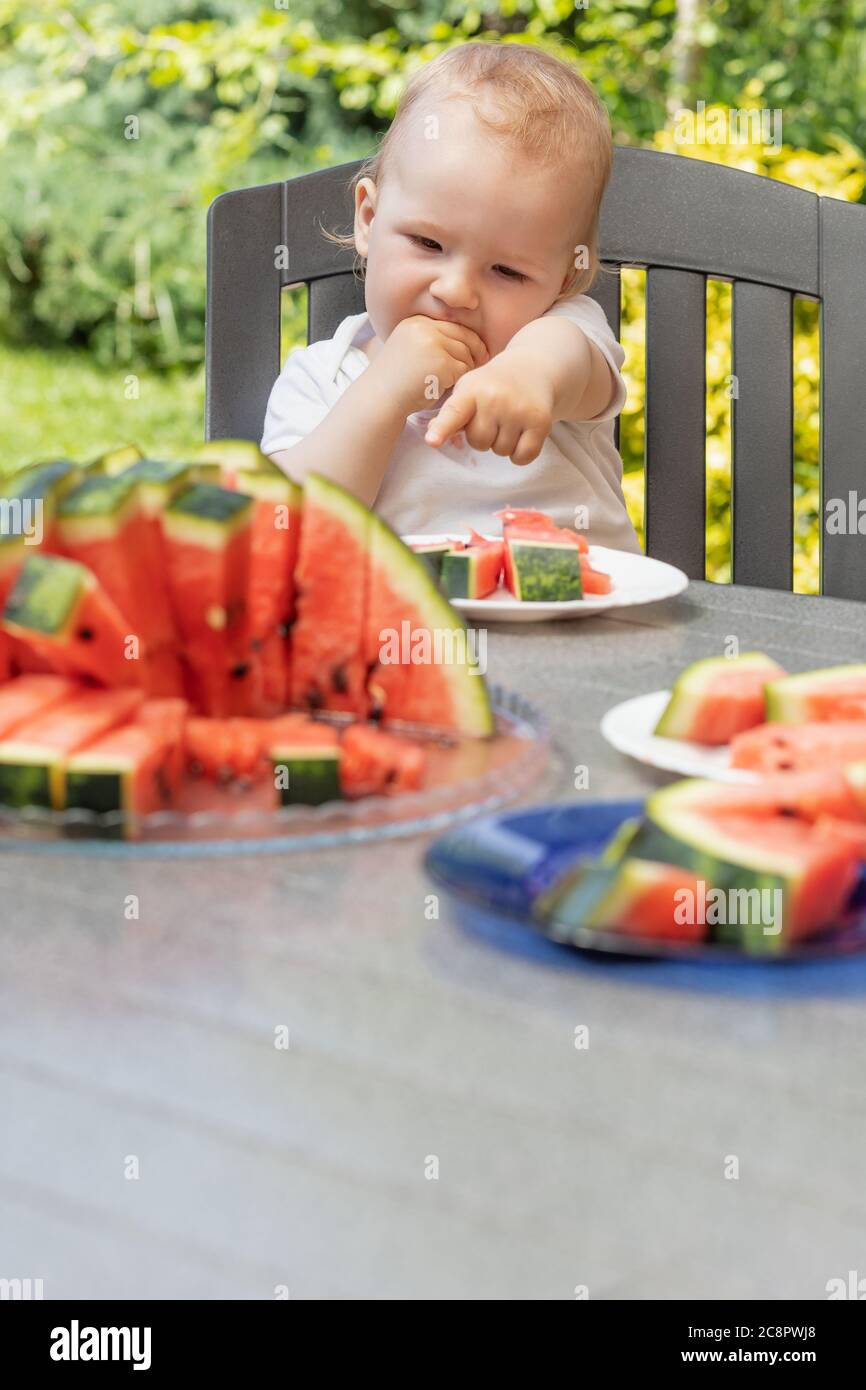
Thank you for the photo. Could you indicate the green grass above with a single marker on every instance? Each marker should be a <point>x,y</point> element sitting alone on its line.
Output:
<point>58,404</point>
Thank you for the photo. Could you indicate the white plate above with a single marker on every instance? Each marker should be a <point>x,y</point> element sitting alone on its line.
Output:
<point>629,728</point>
<point>636,579</point>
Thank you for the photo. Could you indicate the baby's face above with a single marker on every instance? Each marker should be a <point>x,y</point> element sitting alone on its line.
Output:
<point>461,230</point>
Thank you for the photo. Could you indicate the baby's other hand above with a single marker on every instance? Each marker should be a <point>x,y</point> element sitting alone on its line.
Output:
<point>505,405</point>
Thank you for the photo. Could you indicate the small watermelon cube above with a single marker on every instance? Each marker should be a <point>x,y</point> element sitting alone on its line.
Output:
<point>305,760</point>
<point>120,778</point>
<point>539,570</point>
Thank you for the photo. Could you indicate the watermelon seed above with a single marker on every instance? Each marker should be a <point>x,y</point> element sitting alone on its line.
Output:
<point>86,634</point>
<point>315,698</point>
<point>238,672</point>
<point>339,680</point>
<point>256,644</point>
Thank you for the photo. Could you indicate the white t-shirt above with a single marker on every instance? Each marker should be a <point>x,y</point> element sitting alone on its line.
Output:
<point>432,490</point>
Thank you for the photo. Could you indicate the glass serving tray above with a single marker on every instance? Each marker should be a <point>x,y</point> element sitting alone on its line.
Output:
<point>464,777</point>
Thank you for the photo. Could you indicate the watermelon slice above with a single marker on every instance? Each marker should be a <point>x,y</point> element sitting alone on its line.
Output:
<point>120,778</point>
<point>799,747</point>
<point>100,524</point>
<point>375,763</point>
<point>207,535</point>
<point>640,897</point>
<point>716,698</point>
<point>421,666</point>
<point>835,693</point>
<point>473,570</point>
<point>207,547</point>
<point>64,614</point>
<point>33,757</point>
<point>26,696</point>
<point>328,669</point>
<point>746,855</point>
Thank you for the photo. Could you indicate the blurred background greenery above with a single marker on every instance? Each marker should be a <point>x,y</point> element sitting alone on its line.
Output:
<point>120,122</point>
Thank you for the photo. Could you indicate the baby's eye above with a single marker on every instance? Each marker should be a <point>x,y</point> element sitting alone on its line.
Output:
<point>427,243</point>
<point>512,274</point>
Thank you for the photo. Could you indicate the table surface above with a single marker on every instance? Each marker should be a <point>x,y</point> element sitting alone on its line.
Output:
<point>431,1131</point>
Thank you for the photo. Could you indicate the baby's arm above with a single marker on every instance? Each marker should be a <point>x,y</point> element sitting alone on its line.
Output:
<point>581,378</point>
<point>353,444</point>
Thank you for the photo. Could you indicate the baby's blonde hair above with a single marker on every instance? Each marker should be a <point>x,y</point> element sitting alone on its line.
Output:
<point>543,108</point>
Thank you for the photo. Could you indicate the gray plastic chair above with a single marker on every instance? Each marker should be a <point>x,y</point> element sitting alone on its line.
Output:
<point>683,220</point>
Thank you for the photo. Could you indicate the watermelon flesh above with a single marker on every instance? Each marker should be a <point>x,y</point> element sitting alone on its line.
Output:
<point>33,756</point>
<point>99,524</point>
<point>26,696</point>
<point>375,763</point>
<point>328,670</point>
<point>123,776</point>
<point>799,747</point>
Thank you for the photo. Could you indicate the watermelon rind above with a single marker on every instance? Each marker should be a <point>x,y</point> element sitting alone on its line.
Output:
<point>544,571</point>
<point>313,774</point>
<point>599,896</point>
<point>787,699</point>
<point>269,487</point>
<point>459,574</point>
<point>117,460</point>
<point>45,594</point>
<point>206,515</point>
<point>692,685</point>
<point>675,832</point>
<point>158,483</point>
<point>96,509</point>
<point>407,573</point>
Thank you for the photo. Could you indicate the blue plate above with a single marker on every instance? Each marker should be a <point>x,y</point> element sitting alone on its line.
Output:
<point>503,862</point>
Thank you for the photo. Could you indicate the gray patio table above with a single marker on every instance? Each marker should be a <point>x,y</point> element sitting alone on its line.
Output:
<point>431,1130</point>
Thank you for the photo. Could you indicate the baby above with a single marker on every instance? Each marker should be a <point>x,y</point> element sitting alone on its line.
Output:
<point>479,376</point>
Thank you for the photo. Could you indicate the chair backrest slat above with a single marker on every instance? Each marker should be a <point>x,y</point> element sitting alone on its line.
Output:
<point>843,396</point>
<point>606,291</point>
<point>676,417</point>
<point>329,301</point>
<point>242,331</point>
<point>762,466</point>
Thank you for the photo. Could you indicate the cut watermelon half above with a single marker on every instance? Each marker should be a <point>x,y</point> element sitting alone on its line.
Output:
<point>718,697</point>
<point>60,610</point>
